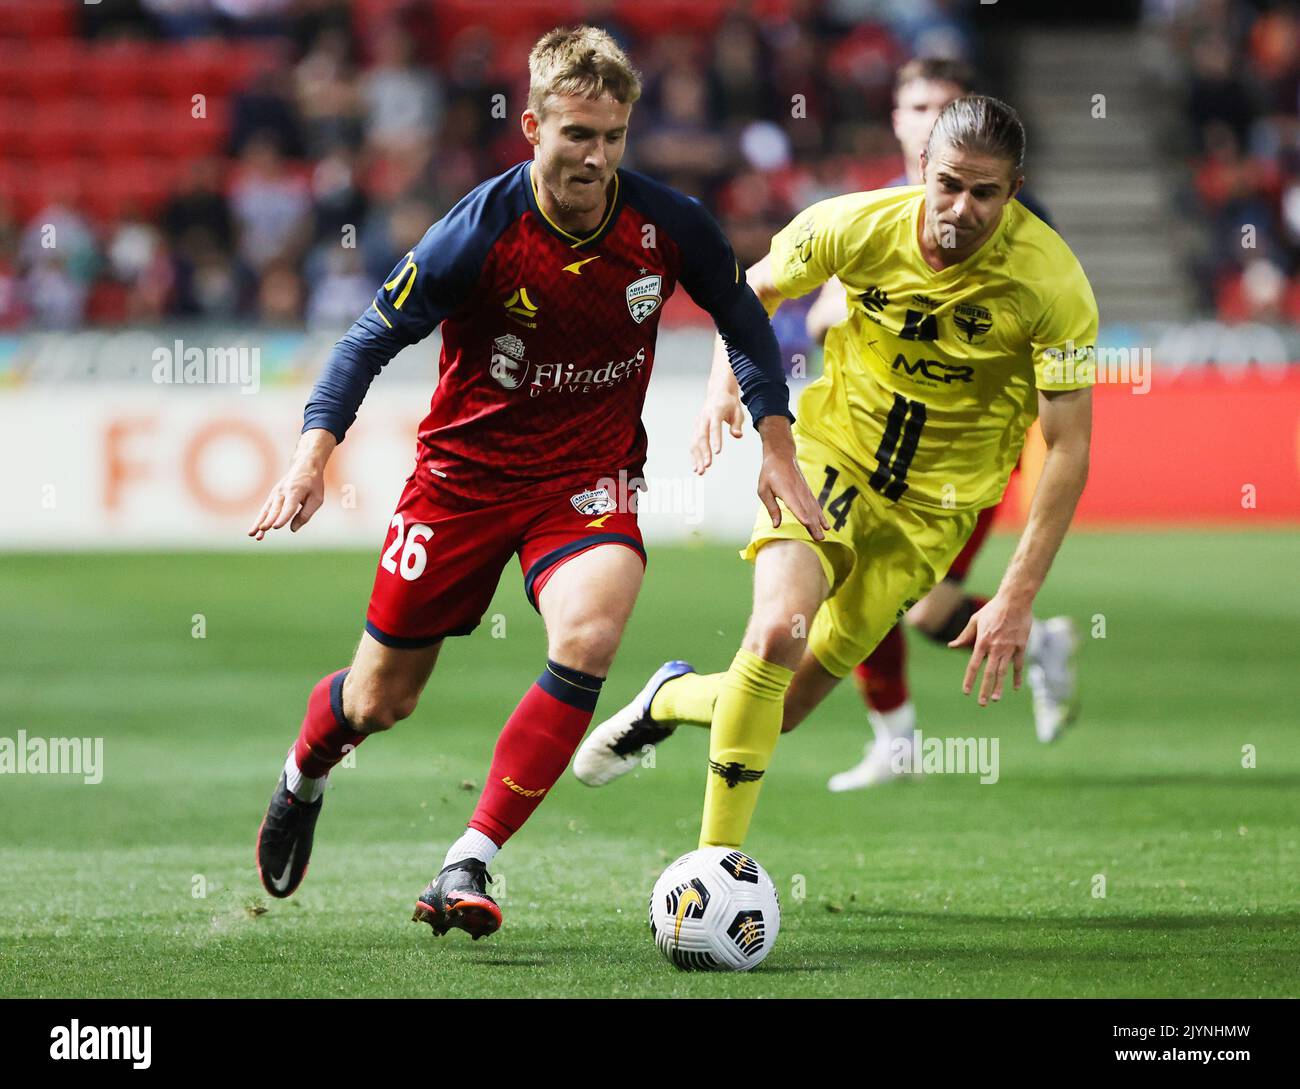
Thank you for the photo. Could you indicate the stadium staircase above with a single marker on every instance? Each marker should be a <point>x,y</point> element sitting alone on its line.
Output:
<point>1109,183</point>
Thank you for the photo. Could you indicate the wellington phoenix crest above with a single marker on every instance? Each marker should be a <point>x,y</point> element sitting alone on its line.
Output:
<point>643,297</point>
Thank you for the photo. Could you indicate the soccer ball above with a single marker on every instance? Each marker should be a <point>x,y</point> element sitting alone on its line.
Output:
<point>715,909</point>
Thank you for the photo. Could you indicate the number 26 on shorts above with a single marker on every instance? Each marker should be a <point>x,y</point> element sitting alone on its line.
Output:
<point>414,557</point>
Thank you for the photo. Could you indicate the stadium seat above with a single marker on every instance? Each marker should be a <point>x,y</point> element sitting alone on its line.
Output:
<point>40,20</point>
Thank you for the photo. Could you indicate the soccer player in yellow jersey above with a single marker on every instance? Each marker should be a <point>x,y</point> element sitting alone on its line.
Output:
<point>968,317</point>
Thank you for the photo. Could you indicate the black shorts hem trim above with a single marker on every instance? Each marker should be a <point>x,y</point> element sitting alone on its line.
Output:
<point>564,551</point>
<point>400,643</point>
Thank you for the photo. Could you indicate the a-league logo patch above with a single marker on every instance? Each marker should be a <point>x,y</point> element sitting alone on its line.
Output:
<point>643,297</point>
<point>596,501</point>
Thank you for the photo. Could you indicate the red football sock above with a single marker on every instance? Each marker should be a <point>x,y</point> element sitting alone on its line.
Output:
<point>534,749</point>
<point>882,678</point>
<point>324,731</point>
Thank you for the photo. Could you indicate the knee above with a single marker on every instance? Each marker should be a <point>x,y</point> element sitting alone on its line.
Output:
<point>588,644</point>
<point>370,712</point>
<point>776,638</point>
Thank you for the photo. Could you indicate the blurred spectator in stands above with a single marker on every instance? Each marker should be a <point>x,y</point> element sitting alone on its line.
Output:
<point>1274,54</point>
<point>265,109</point>
<point>177,18</point>
<point>341,291</point>
<point>138,258</point>
<point>270,205</point>
<point>123,18</point>
<point>328,94</point>
<point>198,209</point>
<point>1217,93</point>
<point>739,88</point>
<point>263,18</point>
<point>680,145</point>
<point>60,259</point>
<point>1261,292</point>
<point>339,203</point>
<point>280,294</point>
<point>209,286</point>
<point>13,307</point>
<point>392,232</point>
<point>403,98</point>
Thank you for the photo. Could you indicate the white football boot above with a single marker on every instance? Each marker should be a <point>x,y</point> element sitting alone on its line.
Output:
<point>1051,676</point>
<point>617,745</point>
<point>888,757</point>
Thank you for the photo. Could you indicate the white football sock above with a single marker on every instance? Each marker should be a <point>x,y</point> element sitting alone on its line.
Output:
<point>302,788</point>
<point>1034,644</point>
<point>900,722</point>
<point>473,844</point>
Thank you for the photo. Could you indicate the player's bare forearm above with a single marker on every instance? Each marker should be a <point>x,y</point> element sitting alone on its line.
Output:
<point>999,632</point>
<point>1066,420</point>
<point>781,478</point>
<point>298,494</point>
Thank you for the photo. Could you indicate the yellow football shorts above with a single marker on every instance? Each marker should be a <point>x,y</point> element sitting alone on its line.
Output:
<point>880,558</point>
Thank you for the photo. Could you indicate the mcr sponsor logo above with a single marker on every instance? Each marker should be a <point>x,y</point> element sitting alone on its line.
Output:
<point>934,370</point>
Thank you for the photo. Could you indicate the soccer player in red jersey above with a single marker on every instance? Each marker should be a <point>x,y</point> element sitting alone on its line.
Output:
<point>548,282</point>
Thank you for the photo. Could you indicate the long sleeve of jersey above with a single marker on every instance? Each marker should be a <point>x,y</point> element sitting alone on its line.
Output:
<point>712,277</point>
<point>428,284</point>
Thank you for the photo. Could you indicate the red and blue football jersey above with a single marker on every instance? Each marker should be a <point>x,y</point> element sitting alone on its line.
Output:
<point>548,339</point>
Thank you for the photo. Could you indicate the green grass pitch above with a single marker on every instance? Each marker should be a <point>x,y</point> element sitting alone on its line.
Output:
<point>937,888</point>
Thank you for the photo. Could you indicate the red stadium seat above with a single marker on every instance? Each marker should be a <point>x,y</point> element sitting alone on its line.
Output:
<point>125,69</point>
<point>39,19</point>
<point>58,129</point>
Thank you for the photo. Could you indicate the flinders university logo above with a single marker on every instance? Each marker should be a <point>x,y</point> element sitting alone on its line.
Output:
<point>643,297</point>
<point>508,365</point>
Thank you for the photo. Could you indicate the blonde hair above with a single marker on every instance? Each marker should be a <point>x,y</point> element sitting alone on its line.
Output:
<point>582,60</point>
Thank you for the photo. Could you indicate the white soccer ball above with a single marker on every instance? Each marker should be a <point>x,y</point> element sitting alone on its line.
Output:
<point>715,909</point>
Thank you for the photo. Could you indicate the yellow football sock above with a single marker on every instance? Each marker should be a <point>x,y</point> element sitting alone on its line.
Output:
<point>746,724</point>
<point>688,698</point>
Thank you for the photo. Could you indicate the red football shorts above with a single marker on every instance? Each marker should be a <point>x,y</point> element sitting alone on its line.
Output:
<point>440,565</point>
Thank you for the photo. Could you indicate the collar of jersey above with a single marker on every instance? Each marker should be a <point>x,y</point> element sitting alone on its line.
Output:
<point>964,265</point>
<point>572,240</point>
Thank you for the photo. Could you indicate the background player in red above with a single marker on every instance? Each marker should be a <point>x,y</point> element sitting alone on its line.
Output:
<point>922,88</point>
<point>548,282</point>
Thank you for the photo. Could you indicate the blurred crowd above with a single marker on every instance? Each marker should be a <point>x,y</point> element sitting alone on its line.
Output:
<point>373,117</point>
<point>1241,71</point>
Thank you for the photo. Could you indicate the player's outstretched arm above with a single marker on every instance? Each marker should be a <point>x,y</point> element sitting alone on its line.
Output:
<point>299,493</point>
<point>999,632</point>
<point>781,478</point>
<point>722,408</point>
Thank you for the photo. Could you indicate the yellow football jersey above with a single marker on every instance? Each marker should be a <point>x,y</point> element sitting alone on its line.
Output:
<point>931,383</point>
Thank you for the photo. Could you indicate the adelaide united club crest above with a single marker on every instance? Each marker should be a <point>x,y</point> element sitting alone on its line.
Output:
<point>644,296</point>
